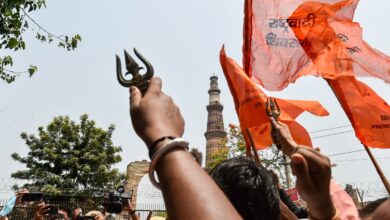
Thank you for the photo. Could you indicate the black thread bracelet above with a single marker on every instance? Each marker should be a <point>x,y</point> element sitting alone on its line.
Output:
<point>152,149</point>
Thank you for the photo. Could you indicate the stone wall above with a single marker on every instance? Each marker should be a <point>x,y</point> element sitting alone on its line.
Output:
<point>135,171</point>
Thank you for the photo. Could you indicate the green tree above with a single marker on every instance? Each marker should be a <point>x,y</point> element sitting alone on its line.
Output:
<point>77,158</point>
<point>15,20</point>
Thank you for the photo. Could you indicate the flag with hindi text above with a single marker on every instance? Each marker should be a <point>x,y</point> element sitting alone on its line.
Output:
<point>368,112</point>
<point>284,40</point>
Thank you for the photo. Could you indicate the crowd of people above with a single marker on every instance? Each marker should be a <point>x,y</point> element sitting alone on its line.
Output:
<point>237,188</point>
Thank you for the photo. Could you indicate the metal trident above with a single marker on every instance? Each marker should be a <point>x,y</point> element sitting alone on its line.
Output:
<point>272,108</point>
<point>138,80</point>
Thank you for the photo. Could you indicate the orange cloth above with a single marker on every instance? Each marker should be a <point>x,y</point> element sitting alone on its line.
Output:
<point>284,40</point>
<point>250,102</point>
<point>368,112</point>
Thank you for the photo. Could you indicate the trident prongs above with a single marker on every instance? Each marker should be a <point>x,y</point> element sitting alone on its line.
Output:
<point>272,108</point>
<point>138,80</point>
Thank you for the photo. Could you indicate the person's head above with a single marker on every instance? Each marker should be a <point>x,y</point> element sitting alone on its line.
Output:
<point>65,210</point>
<point>64,213</point>
<point>96,214</point>
<point>375,208</point>
<point>249,187</point>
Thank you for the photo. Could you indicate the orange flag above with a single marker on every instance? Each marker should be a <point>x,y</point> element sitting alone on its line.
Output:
<point>250,102</point>
<point>368,112</point>
<point>284,40</point>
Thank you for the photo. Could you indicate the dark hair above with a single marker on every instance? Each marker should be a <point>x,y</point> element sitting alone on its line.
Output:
<point>371,207</point>
<point>66,209</point>
<point>249,187</point>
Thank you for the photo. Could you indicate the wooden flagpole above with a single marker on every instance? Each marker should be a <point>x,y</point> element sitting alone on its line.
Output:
<point>255,154</point>
<point>378,169</point>
<point>373,160</point>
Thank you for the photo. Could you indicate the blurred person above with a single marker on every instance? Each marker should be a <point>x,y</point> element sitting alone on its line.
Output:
<point>314,180</point>
<point>42,211</point>
<point>370,211</point>
<point>249,187</point>
<point>11,203</point>
<point>131,210</point>
<point>300,212</point>
<point>97,215</point>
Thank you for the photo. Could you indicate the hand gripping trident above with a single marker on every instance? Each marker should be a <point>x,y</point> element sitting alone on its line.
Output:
<point>273,110</point>
<point>138,80</point>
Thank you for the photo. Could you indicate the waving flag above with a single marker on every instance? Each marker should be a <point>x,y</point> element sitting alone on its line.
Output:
<point>284,40</point>
<point>250,103</point>
<point>368,112</point>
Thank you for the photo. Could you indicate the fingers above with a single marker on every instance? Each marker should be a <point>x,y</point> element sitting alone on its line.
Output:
<point>274,123</point>
<point>135,97</point>
<point>155,85</point>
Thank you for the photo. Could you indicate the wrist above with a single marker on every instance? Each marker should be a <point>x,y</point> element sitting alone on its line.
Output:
<point>323,211</point>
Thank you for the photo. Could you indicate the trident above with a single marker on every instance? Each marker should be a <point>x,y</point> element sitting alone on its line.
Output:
<point>138,80</point>
<point>273,110</point>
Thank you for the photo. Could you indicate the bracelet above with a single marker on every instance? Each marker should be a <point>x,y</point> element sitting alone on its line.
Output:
<point>154,144</point>
<point>177,143</point>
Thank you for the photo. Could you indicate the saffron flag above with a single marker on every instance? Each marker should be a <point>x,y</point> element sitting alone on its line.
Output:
<point>284,40</point>
<point>368,112</point>
<point>250,102</point>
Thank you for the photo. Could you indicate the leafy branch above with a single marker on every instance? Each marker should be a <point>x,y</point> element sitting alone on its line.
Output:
<point>14,21</point>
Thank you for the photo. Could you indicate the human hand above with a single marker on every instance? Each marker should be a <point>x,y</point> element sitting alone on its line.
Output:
<point>41,211</point>
<point>313,172</point>
<point>76,213</point>
<point>154,115</point>
<point>281,136</point>
<point>19,196</point>
<point>128,207</point>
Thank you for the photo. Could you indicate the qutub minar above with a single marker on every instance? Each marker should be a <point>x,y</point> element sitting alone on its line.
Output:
<point>215,133</point>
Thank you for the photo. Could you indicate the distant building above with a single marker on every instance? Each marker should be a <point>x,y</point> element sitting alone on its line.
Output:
<point>215,133</point>
<point>352,192</point>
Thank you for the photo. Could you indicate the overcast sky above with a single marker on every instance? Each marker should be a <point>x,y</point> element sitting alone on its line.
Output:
<point>182,40</point>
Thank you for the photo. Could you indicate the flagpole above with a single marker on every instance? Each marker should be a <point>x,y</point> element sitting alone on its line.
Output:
<point>378,169</point>
<point>373,160</point>
<point>256,155</point>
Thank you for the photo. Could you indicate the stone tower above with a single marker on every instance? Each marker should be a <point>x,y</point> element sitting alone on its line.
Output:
<point>215,127</point>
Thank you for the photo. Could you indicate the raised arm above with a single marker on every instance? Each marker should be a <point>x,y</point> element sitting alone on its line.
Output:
<point>313,172</point>
<point>189,193</point>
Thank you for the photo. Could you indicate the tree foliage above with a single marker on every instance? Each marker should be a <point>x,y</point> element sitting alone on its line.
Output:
<point>14,22</point>
<point>76,157</point>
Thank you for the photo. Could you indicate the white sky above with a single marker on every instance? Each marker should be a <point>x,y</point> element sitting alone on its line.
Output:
<point>182,40</point>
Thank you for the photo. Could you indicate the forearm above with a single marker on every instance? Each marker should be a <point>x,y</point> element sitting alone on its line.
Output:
<point>188,191</point>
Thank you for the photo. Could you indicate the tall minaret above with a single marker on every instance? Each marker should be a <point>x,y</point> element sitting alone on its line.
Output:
<point>215,128</point>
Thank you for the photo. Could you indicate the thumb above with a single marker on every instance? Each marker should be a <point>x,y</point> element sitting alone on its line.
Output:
<point>135,97</point>
<point>300,169</point>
